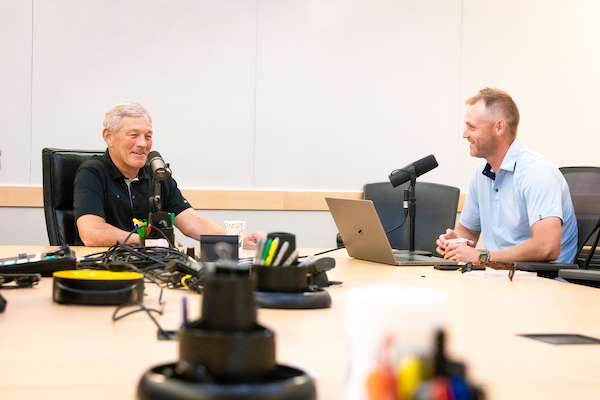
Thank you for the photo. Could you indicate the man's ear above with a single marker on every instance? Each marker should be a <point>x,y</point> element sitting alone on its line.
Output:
<point>500,127</point>
<point>107,136</point>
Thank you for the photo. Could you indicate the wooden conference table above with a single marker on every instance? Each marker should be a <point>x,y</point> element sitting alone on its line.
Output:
<point>54,351</point>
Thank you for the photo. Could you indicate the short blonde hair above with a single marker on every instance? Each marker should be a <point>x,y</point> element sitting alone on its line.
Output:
<point>113,120</point>
<point>500,105</point>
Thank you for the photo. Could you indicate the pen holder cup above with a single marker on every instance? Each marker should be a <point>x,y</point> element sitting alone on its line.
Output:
<point>292,279</point>
<point>283,237</point>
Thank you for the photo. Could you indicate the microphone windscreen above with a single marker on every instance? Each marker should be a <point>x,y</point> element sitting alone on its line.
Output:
<point>425,165</point>
<point>157,164</point>
<point>422,166</point>
<point>152,155</point>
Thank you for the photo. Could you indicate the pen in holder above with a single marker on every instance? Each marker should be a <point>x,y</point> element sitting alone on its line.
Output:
<point>283,282</point>
<point>284,237</point>
<point>159,230</point>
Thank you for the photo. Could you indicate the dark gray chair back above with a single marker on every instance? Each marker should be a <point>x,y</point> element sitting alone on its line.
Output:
<point>584,185</point>
<point>436,209</point>
<point>59,167</point>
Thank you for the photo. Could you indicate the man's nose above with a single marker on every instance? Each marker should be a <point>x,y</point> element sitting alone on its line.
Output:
<point>142,141</point>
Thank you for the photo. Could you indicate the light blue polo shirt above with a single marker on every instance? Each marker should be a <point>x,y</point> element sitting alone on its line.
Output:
<point>526,189</point>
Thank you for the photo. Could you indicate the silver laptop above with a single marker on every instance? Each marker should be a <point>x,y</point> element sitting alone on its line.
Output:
<point>360,228</point>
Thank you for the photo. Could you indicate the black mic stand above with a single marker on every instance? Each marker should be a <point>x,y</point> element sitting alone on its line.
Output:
<point>412,209</point>
<point>158,220</point>
<point>412,212</point>
<point>155,203</point>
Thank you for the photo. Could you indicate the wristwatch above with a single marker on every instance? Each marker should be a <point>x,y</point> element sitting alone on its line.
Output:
<point>484,257</point>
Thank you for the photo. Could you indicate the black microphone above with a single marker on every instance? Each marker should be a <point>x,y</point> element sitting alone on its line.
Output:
<point>160,170</point>
<point>420,167</point>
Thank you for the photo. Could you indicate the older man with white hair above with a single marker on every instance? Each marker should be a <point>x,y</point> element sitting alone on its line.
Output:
<point>113,189</point>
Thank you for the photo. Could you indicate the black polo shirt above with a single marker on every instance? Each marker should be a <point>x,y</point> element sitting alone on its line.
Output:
<point>100,189</point>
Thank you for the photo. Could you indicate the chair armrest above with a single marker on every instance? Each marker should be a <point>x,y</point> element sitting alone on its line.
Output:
<point>580,275</point>
<point>543,266</point>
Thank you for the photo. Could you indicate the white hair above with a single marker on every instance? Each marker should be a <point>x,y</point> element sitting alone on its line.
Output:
<point>113,119</point>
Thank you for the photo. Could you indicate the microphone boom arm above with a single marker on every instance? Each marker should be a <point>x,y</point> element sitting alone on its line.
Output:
<point>410,174</point>
<point>155,203</point>
<point>412,208</point>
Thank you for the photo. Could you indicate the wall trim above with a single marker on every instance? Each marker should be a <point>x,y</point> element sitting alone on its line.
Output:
<point>263,200</point>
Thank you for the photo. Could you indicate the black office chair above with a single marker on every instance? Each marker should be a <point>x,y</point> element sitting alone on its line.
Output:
<point>584,185</point>
<point>59,167</point>
<point>436,209</point>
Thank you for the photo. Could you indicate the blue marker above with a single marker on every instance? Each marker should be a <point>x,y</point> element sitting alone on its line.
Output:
<point>185,311</point>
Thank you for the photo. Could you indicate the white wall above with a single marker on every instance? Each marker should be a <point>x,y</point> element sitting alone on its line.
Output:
<point>295,94</point>
<point>15,92</point>
<point>547,55</point>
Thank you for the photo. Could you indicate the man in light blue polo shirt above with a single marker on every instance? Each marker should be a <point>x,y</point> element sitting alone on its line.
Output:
<point>517,199</point>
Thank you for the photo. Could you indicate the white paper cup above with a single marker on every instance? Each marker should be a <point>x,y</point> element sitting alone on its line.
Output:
<point>236,228</point>
<point>410,315</point>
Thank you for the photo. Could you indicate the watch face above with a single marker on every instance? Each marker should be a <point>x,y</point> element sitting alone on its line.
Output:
<point>483,257</point>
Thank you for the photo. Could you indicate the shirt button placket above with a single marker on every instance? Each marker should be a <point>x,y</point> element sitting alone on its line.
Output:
<point>496,194</point>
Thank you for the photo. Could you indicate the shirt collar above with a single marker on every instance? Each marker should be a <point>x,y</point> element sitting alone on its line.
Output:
<point>510,159</point>
<point>487,171</point>
<point>508,163</point>
<point>114,171</point>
